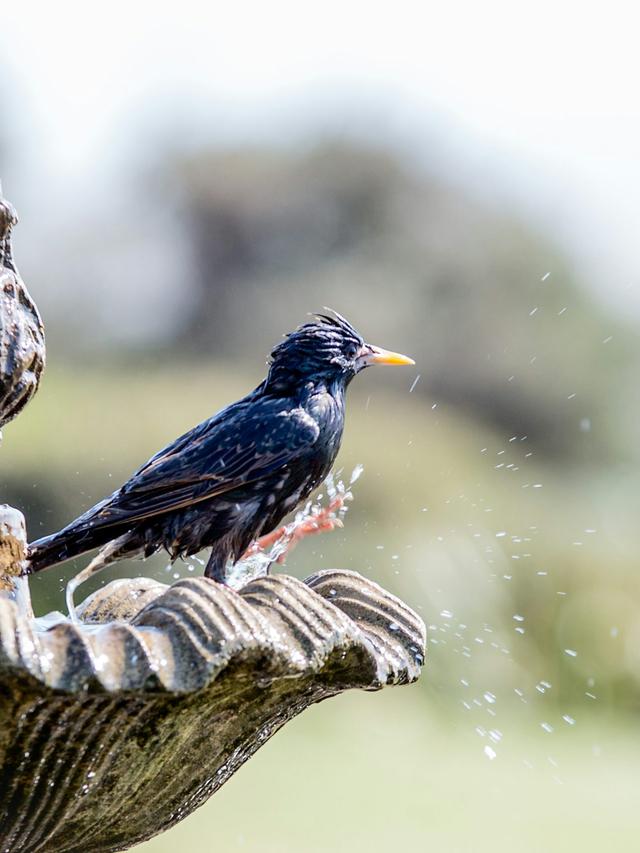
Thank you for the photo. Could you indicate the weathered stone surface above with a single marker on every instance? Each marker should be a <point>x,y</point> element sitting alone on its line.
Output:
<point>113,732</point>
<point>22,347</point>
<point>13,544</point>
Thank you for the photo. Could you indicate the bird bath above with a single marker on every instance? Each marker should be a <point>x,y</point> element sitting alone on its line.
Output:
<point>114,729</point>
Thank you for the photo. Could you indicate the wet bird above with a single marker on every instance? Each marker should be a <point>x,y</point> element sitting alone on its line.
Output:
<point>234,477</point>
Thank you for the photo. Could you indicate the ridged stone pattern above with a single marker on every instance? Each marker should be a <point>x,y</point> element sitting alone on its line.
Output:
<point>22,347</point>
<point>112,731</point>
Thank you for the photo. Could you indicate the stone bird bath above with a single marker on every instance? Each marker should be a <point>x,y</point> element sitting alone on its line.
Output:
<point>114,728</point>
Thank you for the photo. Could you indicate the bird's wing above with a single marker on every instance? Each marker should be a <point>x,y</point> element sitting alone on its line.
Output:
<point>214,458</point>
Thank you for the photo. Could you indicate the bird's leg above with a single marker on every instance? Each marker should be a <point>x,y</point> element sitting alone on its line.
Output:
<point>217,569</point>
<point>323,520</point>
<point>266,541</point>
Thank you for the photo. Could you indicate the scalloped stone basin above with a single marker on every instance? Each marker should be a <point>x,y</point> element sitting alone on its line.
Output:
<point>114,729</point>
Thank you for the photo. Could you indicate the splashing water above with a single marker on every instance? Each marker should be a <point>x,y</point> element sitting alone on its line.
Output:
<point>327,511</point>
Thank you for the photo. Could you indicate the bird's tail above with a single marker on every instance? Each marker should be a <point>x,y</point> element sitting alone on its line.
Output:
<point>64,545</point>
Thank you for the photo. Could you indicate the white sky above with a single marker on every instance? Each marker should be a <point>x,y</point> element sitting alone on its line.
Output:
<point>539,100</point>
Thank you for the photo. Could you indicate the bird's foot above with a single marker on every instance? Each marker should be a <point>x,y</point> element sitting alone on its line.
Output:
<point>267,541</point>
<point>323,520</point>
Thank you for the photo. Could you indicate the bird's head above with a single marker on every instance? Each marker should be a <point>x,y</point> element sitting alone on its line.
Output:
<point>326,349</point>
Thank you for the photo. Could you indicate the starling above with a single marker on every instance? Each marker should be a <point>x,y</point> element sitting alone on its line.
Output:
<point>235,476</point>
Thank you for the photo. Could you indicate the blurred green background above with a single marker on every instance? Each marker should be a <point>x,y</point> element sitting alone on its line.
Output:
<point>499,495</point>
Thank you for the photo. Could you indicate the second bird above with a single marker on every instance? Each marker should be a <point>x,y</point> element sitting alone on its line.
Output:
<point>235,476</point>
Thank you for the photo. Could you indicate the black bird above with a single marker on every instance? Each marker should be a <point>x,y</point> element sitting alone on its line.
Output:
<point>237,474</point>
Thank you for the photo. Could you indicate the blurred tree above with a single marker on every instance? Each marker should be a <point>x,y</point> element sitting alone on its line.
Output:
<point>259,215</point>
<point>459,284</point>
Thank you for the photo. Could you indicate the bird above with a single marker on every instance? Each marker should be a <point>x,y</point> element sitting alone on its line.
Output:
<point>235,476</point>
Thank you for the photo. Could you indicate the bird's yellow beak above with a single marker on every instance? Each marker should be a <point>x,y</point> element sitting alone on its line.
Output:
<point>377,355</point>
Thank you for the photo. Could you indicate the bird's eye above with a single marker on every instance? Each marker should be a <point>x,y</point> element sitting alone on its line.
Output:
<point>351,350</point>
